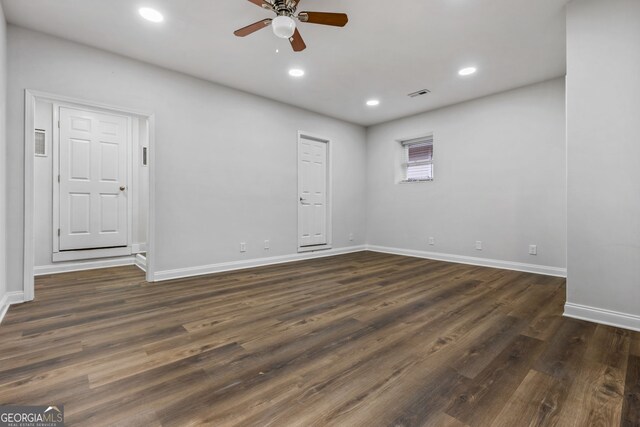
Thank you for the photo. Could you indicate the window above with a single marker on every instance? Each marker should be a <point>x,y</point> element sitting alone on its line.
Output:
<point>418,165</point>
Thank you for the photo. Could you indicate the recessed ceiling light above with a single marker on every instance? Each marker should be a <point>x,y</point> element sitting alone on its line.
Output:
<point>296,72</point>
<point>373,102</point>
<point>150,14</point>
<point>467,71</point>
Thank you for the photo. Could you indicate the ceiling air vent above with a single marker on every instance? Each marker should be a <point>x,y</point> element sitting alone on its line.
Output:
<point>419,93</point>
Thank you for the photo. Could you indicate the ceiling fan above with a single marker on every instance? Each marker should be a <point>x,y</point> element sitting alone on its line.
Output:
<point>284,24</point>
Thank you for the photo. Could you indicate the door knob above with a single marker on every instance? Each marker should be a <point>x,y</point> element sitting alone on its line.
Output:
<point>123,187</point>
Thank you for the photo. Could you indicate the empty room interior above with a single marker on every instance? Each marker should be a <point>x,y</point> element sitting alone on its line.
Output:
<point>320,213</point>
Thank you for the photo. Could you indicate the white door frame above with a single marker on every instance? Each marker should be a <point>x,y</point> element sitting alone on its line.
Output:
<point>30,99</point>
<point>309,135</point>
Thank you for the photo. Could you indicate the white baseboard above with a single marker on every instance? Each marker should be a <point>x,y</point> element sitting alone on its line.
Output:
<point>600,315</point>
<point>82,265</point>
<point>141,262</point>
<point>4,306</point>
<point>16,297</point>
<point>258,262</point>
<point>484,262</point>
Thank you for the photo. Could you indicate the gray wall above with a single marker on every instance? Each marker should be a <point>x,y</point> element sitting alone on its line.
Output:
<point>3,151</point>
<point>499,178</point>
<point>603,125</point>
<point>226,161</point>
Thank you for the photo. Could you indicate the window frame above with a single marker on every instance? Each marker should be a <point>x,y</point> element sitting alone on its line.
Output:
<point>408,142</point>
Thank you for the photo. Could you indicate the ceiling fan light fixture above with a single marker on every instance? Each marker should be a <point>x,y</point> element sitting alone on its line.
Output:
<point>283,26</point>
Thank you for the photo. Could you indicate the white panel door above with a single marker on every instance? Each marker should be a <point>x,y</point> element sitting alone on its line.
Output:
<point>93,180</point>
<point>312,177</point>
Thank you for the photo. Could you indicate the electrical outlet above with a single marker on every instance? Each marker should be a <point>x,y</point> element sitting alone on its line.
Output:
<point>533,249</point>
<point>266,245</point>
<point>351,237</point>
<point>478,245</point>
<point>243,247</point>
<point>432,241</point>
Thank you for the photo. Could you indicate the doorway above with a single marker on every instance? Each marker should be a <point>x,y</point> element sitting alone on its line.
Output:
<point>89,177</point>
<point>314,190</point>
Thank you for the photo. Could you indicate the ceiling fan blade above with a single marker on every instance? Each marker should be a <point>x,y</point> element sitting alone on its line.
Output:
<point>297,43</point>
<point>323,18</point>
<point>250,29</point>
<point>262,3</point>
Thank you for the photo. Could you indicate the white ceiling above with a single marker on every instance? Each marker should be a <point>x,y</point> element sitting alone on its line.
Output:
<point>388,49</point>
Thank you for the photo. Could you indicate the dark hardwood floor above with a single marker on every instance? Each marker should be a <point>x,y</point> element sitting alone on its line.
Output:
<point>364,339</point>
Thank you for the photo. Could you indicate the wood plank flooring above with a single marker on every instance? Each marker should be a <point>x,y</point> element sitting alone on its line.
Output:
<point>364,339</point>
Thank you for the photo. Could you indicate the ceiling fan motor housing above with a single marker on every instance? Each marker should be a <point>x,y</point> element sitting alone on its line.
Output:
<point>284,8</point>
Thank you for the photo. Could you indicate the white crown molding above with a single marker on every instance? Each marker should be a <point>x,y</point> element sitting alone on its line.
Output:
<point>602,316</point>
<point>257,262</point>
<point>483,262</point>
